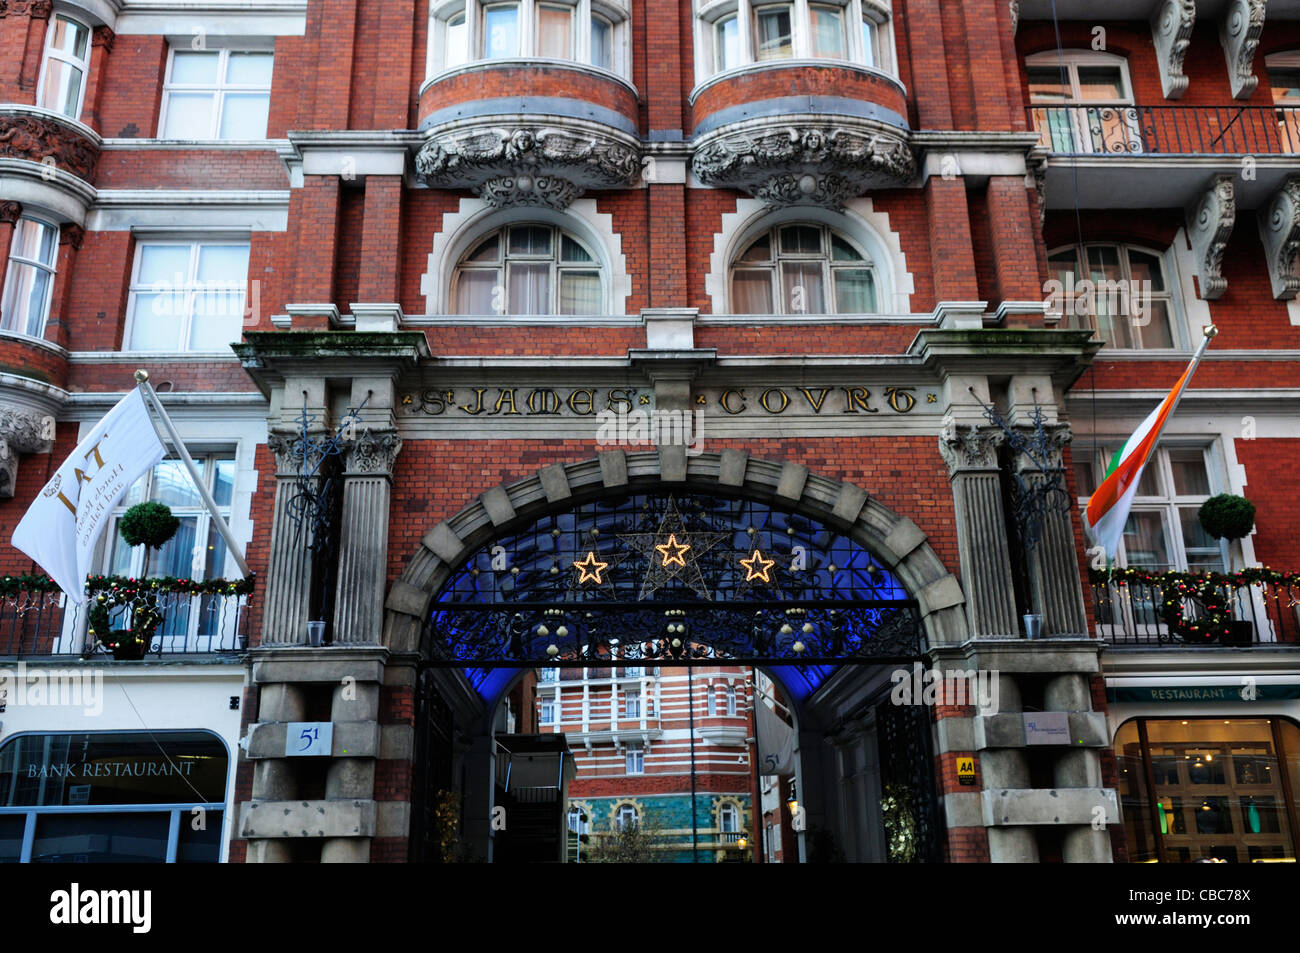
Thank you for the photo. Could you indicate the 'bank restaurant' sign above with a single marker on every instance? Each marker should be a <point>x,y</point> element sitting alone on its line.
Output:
<point>734,401</point>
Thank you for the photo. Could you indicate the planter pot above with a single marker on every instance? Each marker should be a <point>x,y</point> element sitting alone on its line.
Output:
<point>315,633</point>
<point>1033,625</point>
<point>1239,633</point>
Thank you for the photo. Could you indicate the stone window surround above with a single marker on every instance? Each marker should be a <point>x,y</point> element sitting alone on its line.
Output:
<point>1178,286</point>
<point>860,221</point>
<point>476,218</point>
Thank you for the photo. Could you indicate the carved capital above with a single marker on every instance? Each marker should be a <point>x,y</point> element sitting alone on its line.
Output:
<point>1209,226</point>
<point>374,453</point>
<point>72,234</point>
<point>10,212</point>
<point>42,140</point>
<point>805,161</point>
<point>1171,32</point>
<point>21,432</point>
<point>290,459</point>
<point>1015,15</point>
<point>1279,227</point>
<point>1239,31</point>
<point>1058,436</point>
<point>547,165</point>
<point>103,36</point>
<point>967,447</point>
<point>36,9</point>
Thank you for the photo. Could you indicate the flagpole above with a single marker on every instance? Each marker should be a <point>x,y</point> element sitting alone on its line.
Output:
<point>142,377</point>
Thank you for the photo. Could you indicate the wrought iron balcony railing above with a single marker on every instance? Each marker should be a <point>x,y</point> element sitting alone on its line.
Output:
<point>1117,130</point>
<point>1189,610</point>
<point>39,622</point>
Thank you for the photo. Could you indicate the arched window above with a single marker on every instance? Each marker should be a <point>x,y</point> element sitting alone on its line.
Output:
<point>728,819</point>
<point>527,269</point>
<point>731,700</point>
<point>578,821</point>
<point>626,819</point>
<point>803,269</point>
<point>1122,295</point>
<point>743,32</point>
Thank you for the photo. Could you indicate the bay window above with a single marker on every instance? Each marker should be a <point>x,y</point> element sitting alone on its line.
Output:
<point>774,32</point>
<point>62,86</point>
<point>582,31</point>
<point>30,277</point>
<point>500,30</point>
<point>827,31</point>
<point>736,33</point>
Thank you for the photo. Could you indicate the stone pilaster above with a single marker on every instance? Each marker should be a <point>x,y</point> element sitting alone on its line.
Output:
<point>1055,589</point>
<point>288,576</point>
<point>971,455</point>
<point>363,548</point>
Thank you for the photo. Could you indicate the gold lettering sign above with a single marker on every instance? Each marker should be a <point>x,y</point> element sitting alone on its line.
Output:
<point>797,400</point>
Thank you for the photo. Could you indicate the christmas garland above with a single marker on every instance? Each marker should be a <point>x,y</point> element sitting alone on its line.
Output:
<point>1209,589</point>
<point>130,585</point>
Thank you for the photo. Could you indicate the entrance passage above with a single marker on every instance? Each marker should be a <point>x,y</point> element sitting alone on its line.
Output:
<point>631,655</point>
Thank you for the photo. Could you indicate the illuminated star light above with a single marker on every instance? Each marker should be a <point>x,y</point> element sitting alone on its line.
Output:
<point>756,567</point>
<point>679,551</point>
<point>590,569</point>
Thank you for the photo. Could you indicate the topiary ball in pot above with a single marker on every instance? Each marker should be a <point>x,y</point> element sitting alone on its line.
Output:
<point>148,524</point>
<point>1227,516</point>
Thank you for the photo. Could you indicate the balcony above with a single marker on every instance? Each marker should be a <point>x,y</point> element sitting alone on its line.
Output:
<point>1097,155</point>
<point>1167,130</point>
<point>1186,610</point>
<point>37,621</point>
<point>524,132</point>
<point>796,132</point>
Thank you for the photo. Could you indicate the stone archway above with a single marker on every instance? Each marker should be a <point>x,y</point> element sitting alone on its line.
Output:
<point>895,539</point>
<point>899,544</point>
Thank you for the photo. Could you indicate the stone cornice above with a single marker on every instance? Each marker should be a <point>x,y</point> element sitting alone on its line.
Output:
<point>39,137</point>
<point>805,160</point>
<point>547,161</point>
<point>269,356</point>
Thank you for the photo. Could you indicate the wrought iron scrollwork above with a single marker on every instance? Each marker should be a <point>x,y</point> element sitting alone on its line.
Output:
<point>586,587</point>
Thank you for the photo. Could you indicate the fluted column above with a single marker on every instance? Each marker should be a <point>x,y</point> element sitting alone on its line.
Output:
<point>288,583</point>
<point>363,551</point>
<point>1054,584</point>
<point>972,458</point>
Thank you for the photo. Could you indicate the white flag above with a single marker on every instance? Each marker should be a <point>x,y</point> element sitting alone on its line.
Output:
<point>60,530</point>
<point>775,741</point>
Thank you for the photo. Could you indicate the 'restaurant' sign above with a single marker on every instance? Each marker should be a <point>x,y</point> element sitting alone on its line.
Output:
<point>792,400</point>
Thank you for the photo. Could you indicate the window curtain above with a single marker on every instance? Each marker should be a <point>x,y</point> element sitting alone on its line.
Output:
<point>530,288</point>
<point>751,292</point>
<point>579,292</point>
